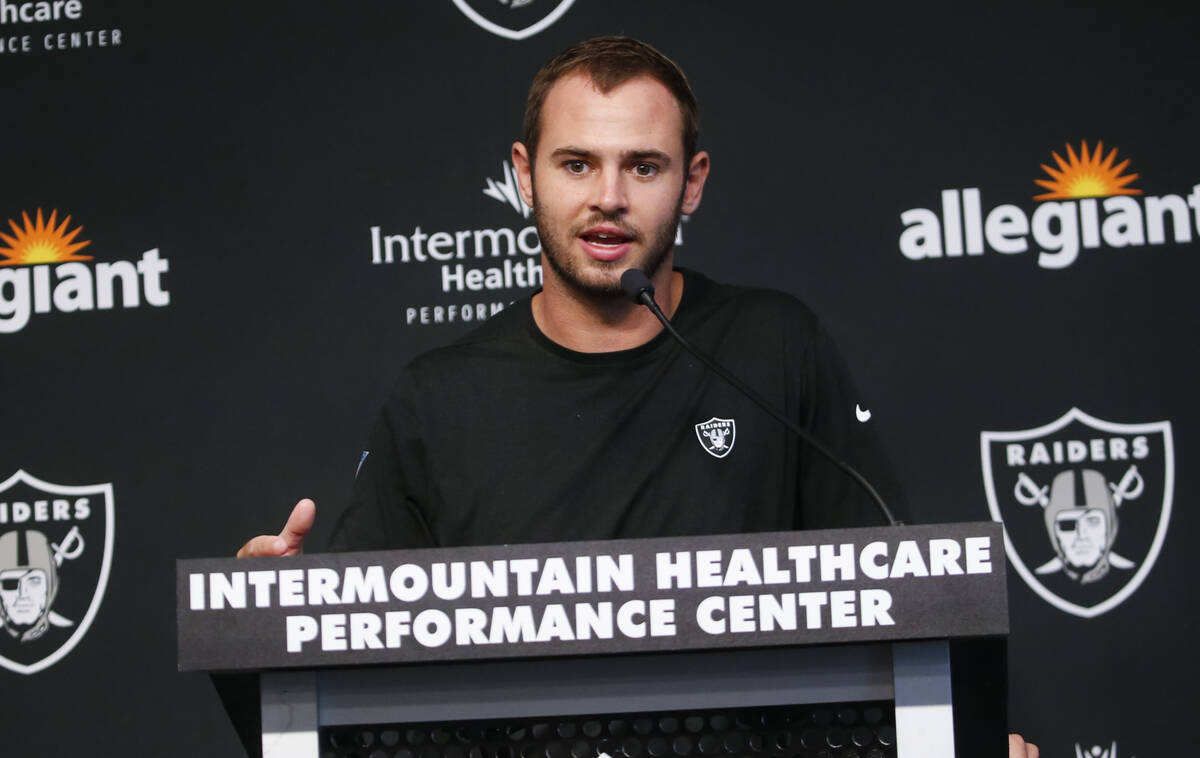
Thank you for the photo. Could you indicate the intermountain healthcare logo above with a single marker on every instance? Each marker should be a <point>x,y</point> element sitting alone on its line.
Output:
<point>1097,751</point>
<point>55,553</point>
<point>30,16</point>
<point>507,190</point>
<point>42,272</point>
<point>1085,505</point>
<point>514,19</point>
<point>510,256</point>
<point>1068,219</point>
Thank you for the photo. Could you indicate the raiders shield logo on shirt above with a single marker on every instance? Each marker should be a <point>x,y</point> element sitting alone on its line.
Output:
<point>55,553</point>
<point>716,435</point>
<point>1085,505</point>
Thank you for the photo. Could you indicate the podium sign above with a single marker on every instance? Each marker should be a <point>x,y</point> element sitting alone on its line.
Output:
<point>587,598</point>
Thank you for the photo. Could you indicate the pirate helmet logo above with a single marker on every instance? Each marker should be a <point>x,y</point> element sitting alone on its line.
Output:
<point>514,19</point>
<point>1081,523</point>
<point>55,553</point>
<point>1077,498</point>
<point>28,583</point>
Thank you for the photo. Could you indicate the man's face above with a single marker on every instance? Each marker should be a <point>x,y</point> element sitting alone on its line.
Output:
<point>1083,535</point>
<point>608,182</point>
<point>23,592</point>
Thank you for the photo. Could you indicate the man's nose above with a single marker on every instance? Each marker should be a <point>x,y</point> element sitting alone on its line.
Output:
<point>610,196</point>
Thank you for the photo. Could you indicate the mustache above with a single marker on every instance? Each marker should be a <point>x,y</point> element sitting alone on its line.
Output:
<point>600,219</point>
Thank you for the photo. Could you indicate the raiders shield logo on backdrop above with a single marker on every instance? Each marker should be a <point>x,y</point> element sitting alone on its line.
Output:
<point>717,435</point>
<point>514,19</point>
<point>1085,505</point>
<point>55,553</point>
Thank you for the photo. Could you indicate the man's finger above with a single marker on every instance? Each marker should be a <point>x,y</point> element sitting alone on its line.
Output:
<point>263,545</point>
<point>1019,748</point>
<point>298,525</point>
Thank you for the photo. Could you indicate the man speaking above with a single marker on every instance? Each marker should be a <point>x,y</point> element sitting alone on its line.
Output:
<point>572,415</point>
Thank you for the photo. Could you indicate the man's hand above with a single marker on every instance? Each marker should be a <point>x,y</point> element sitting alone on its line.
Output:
<point>1019,748</point>
<point>288,542</point>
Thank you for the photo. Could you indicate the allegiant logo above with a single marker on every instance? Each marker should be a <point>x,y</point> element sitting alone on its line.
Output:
<point>41,271</point>
<point>1089,204</point>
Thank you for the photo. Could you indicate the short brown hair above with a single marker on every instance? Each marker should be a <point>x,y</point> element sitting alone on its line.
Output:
<point>610,62</point>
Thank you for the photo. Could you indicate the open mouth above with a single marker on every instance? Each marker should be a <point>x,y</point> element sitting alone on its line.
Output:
<point>606,243</point>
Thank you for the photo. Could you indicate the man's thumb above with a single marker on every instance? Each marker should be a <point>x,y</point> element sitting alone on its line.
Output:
<point>299,524</point>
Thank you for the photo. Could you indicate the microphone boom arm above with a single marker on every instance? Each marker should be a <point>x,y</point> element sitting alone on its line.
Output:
<point>637,285</point>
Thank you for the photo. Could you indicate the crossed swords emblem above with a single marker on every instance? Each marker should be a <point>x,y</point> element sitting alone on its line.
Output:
<point>1028,492</point>
<point>68,550</point>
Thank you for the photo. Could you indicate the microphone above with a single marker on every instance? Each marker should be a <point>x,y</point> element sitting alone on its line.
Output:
<point>641,291</point>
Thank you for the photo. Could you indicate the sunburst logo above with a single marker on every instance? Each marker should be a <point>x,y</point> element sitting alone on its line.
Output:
<point>42,241</point>
<point>1086,175</point>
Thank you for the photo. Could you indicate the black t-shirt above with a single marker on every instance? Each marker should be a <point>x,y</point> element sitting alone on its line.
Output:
<point>506,437</point>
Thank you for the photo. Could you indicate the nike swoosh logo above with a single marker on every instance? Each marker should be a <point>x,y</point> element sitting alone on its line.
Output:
<point>863,416</point>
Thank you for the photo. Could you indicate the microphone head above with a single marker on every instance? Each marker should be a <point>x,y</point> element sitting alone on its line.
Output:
<point>634,281</point>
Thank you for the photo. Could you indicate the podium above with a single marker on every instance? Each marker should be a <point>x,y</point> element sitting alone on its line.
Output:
<point>890,639</point>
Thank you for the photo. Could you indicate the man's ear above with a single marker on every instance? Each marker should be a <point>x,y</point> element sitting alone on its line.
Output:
<point>693,187</point>
<point>521,160</point>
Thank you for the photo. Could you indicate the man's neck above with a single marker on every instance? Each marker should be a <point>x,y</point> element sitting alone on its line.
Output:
<point>603,325</point>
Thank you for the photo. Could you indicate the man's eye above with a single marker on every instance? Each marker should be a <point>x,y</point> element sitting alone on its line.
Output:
<point>645,169</point>
<point>575,167</point>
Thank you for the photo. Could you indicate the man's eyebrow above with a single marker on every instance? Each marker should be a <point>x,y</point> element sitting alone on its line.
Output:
<point>629,156</point>
<point>657,156</point>
<point>569,151</point>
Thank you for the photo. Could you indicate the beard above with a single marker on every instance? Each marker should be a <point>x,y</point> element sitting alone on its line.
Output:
<point>602,279</point>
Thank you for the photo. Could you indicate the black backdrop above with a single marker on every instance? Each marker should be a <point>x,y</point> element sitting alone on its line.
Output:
<point>255,146</point>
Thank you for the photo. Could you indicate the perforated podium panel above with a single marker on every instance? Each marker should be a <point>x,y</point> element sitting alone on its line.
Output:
<point>843,730</point>
<point>878,700</point>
